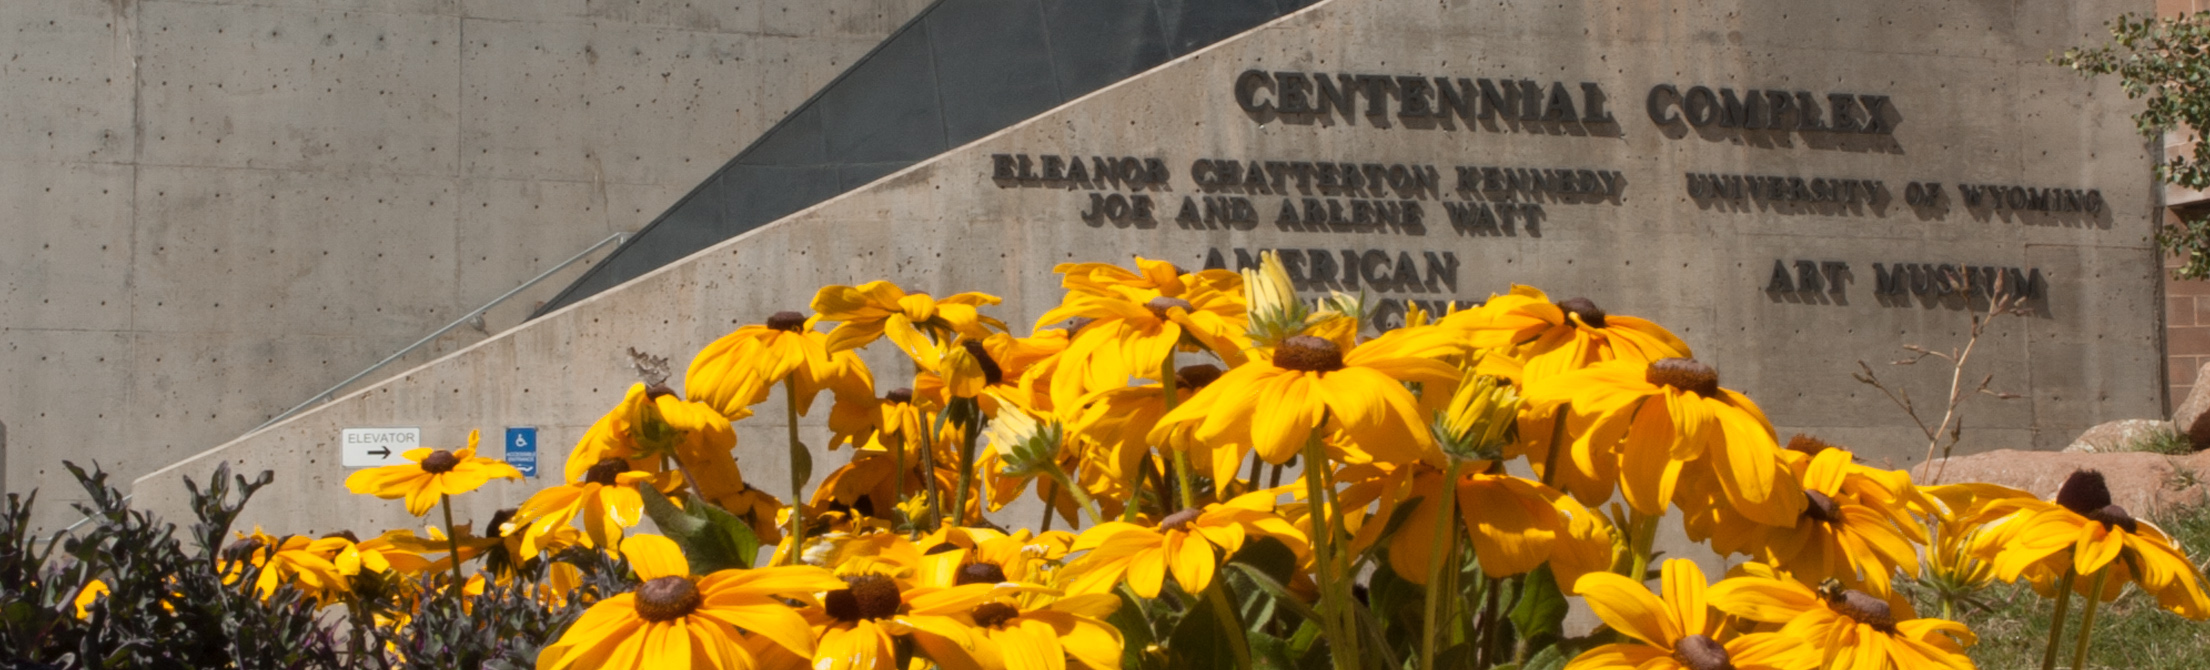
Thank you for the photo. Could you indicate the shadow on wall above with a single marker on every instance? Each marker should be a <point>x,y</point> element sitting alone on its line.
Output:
<point>960,70</point>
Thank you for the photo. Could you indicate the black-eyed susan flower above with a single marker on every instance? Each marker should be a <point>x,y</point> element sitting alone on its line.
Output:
<point>606,498</point>
<point>1555,338</point>
<point>1130,331</point>
<point>1835,623</point>
<point>1004,632</point>
<point>656,432</point>
<point>1189,544</point>
<point>92,592</point>
<point>1678,631</point>
<point>957,556</point>
<point>1309,384</point>
<point>737,371</point>
<point>858,625</point>
<point>433,474</point>
<point>1640,424</point>
<point>2087,534</point>
<point>1856,524</point>
<point>879,308</point>
<point>674,620</point>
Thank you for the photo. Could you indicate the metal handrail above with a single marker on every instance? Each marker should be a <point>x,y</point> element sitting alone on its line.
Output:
<point>615,238</point>
<point>464,319</point>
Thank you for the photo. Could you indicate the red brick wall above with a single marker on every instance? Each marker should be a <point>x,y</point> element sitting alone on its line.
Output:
<point>2186,332</point>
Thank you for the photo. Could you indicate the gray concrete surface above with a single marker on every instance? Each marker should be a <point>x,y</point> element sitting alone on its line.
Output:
<point>215,209</point>
<point>1978,104</point>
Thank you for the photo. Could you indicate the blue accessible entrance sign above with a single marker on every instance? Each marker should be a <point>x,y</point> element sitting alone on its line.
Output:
<point>521,450</point>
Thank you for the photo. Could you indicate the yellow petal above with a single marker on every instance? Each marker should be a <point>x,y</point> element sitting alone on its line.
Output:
<point>654,557</point>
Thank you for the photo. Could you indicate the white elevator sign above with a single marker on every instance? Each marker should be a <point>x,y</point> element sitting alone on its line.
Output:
<point>372,447</point>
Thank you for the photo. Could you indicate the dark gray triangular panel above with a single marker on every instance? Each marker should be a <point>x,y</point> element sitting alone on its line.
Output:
<point>960,70</point>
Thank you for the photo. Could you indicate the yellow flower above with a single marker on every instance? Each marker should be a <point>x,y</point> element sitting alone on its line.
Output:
<point>433,474</point>
<point>1568,335</point>
<point>738,370</point>
<point>1119,422</point>
<point>858,624</point>
<point>1515,524</point>
<point>303,563</point>
<point>1308,383</point>
<point>1641,424</point>
<point>879,308</point>
<point>2084,532</point>
<point>673,620</point>
<point>1004,634</point>
<point>92,592</point>
<point>958,556</point>
<point>1837,623</point>
<point>1190,544</point>
<point>1678,632</point>
<point>1856,525</point>
<point>652,424</point>
<point>1129,331</point>
<point>606,497</point>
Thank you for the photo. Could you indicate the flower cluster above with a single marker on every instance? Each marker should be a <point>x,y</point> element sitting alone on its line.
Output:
<point>1241,474</point>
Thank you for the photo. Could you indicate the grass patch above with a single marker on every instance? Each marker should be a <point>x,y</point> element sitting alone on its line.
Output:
<point>2131,633</point>
<point>2167,441</point>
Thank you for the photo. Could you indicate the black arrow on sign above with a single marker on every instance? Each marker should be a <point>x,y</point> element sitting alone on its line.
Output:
<point>384,452</point>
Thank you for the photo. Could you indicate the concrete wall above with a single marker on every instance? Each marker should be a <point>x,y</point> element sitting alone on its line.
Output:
<point>1978,102</point>
<point>215,209</point>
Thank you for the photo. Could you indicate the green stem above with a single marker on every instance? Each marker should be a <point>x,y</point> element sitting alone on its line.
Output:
<point>2087,619</point>
<point>2056,620</point>
<point>1322,518</point>
<point>1081,497</point>
<point>1238,645</point>
<point>970,428</point>
<point>1442,550</point>
<point>452,539</point>
<point>798,475</point>
<point>928,463</point>
<point>1182,476</point>
<point>897,481</point>
<point>1641,534</point>
<point>1490,620</point>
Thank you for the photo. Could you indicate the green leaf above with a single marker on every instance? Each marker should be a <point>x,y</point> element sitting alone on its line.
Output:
<point>1541,608</point>
<point>1209,635</point>
<point>711,538</point>
<point>1135,629</point>
<point>1269,556</point>
<point>1281,594</point>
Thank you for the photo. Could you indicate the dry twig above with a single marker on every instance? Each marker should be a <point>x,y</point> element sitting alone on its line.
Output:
<point>1951,428</point>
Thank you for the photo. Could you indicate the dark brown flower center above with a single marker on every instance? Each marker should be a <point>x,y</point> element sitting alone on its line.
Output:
<point>242,549</point>
<point>1807,444</point>
<point>1697,652</point>
<point>979,573</point>
<point>900,395</point>
<point>994,614</point>
<point>1193,377</point>
<point>1309,354</point>
<point>1686,374</point>
<point>2084,492</point>
<point>1822,507</point>
<point>498,522</point>
<point>941,547</point>
<point>991,373</point>
<point>1179,520</point>
<point>1160,305</point>
<point>863,597</point>
<point>440,461</point>
<point>787,321</point>
<point>347,534</point>
<point>2113,516</point>
<point>605,471</point>
<point>667,598</point>
<point>1584,308</point>
<point>1864,607</point>
<point>658,390</point>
